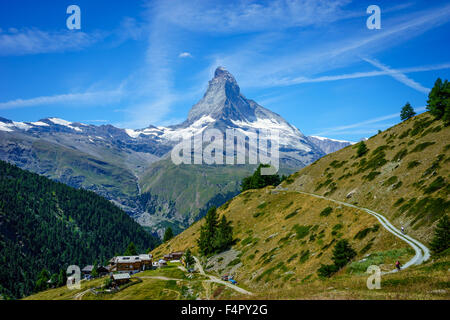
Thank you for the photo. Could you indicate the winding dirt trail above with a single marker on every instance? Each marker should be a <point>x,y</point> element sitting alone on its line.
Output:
<point>217,280</point>
<point>422,253</point>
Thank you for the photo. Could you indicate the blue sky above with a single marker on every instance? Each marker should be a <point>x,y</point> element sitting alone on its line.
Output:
<point>136,63</point>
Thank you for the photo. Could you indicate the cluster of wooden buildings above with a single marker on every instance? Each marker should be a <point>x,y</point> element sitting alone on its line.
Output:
<point>121,267</point>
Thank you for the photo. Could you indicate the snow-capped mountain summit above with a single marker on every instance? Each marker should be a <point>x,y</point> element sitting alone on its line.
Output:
<point>223,106</point>
<point>223,101</point>
<point>132,167</point>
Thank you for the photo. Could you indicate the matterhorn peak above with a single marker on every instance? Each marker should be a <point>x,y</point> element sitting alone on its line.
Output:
<point>222,72</point>
<point>224,80</point>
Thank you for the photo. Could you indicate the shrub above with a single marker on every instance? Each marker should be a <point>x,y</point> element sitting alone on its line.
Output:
<point>400,155</point>
<point>327,270</point>
<point>362,149</point>
<point>413,164</point>
<point>390,181</point>
<point>301,231</point>
<point>399,202</point>
<point>422,146</point>
<point>257,214</point>
<point>295,255</point>
<point>234,262</point>
<point>326,212</point>
<point>304,256</point>
<point>292,214</point>
<point>362,234</point>
<point>372,175</point>
<point>437,184</point>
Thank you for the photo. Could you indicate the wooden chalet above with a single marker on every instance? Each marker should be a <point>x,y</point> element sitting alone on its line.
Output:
<point>130,264</point>
<point>173,256</point>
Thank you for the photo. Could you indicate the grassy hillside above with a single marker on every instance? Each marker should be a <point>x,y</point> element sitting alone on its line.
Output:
<point>282,236</point>
<point>404,175</point>
<point>49,225</point>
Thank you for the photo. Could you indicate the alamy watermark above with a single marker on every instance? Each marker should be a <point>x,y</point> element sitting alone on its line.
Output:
<point>73,281</point>
<point>374,21</point>
<point>73,22</point>
<point>374,280</point>
<point>234,146</point>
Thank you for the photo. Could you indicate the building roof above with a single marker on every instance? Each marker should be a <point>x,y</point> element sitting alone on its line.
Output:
<point>145,257</point>
<point>121,276</point>
<point>88,268</point>
<point>128,259</point>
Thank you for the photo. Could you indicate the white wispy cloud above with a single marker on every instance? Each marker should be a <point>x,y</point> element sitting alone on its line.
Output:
<point>248,16</point>
<point>357,75</point>
<point>398,75</point>
<point>185,55</point>
<point>35,41</point>
<point>274,58</point>
<point>99,98</point>
<point>355,127</point>
<point>26,41</point>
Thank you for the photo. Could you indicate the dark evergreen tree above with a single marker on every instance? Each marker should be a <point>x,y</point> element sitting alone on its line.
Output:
<point>342,253</point>
<point>439,101</point>
<point>407,112</point>
<point>42,281</point>
<point>215,236</point>
<point>54,280</point>
<point>441,239</point>
<point>94,272</point>
<point>188,259</point>
<point>224,236</point>
<point>362,149</point>
<point>131,250</point>
<point>208,232</point>
<point>62,278</point>
<point>168,234</point>
<point>257,181</point>
<point>327,270</point>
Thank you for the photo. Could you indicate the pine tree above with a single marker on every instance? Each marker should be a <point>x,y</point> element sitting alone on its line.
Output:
<point>188,259</point>
<point>224,237</point>
<point>54,280</point>
<point>439,101</point>
<point>441,239</point>
<point>131,250</point>
<point>42,282</point>
<point>62,278</point>
<point>407,112</point>
<point>94,272</point>
<point>168,234</point>
<point>362,149</point>
<point>257,180</point>
<point>208,232</point>
<point>342,253</point>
